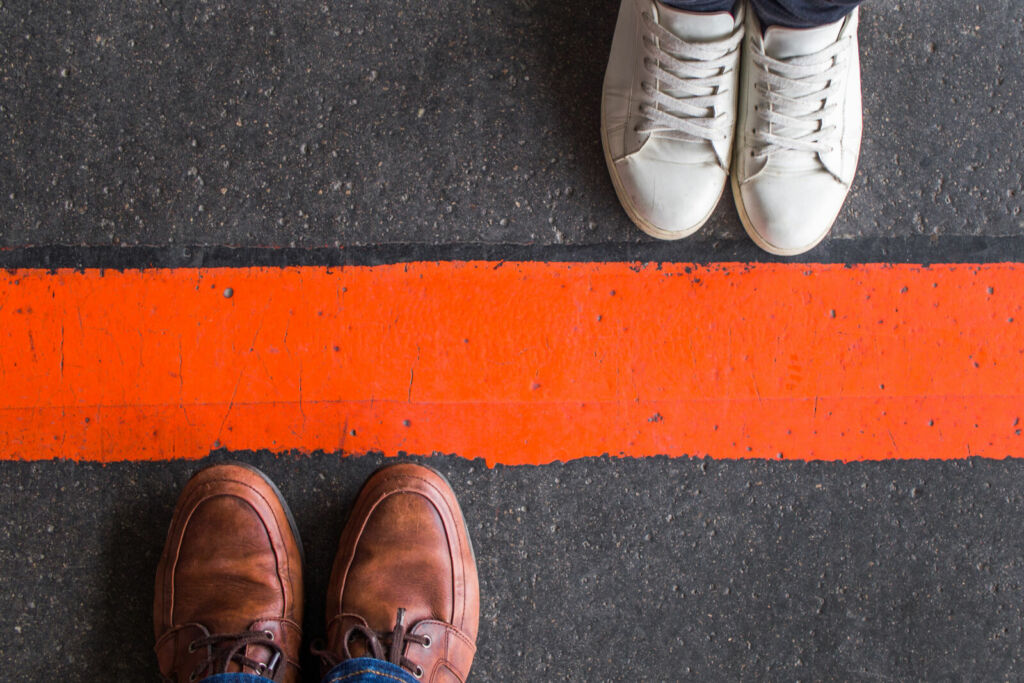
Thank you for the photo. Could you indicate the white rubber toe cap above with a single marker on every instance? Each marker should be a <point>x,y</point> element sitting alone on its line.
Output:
<point>667,199</point>
<point>788,216</point>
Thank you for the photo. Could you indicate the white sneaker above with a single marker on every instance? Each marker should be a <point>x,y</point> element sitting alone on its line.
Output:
<point>799,132</point>
<point>668,109</point>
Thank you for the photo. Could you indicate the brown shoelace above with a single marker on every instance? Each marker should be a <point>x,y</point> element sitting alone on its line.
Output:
<point>396,640</point>
<point>225,648</point>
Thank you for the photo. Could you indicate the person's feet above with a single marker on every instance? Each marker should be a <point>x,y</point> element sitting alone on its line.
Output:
<point>668,111</point>
<point>229,583</point>
<point>404,584</point>
<point>799,132</point>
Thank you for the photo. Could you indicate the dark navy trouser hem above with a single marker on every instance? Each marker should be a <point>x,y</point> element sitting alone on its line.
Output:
<point>789,13</point>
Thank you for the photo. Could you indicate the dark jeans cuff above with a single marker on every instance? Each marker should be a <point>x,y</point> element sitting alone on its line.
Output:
<point>368,670</point>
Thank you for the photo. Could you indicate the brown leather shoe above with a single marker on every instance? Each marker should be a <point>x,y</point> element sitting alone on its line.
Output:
<point>229,583</point>
<point>404,584</point>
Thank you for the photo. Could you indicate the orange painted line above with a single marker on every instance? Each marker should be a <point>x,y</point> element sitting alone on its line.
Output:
<point>515,363</point>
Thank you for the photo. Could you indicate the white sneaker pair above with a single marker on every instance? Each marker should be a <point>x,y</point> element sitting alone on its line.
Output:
<point>669,118</point>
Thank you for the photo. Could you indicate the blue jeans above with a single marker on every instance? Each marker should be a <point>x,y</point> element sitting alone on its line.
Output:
<point>790,13</point>
<point>359,670</point>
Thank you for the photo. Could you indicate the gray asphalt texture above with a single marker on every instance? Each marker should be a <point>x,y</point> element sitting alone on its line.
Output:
<point>600,569</point>
<point>313,124</point>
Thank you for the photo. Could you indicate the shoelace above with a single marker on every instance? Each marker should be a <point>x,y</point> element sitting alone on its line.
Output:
<point>395,639</point>
<point>797,109</point>
<point>691,81</point>
<point>226,648</point>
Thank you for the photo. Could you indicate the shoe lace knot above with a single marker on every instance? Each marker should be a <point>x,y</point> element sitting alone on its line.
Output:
<point>224,649</point>
<point>688,84</point>
<point>385,645</point>
<point>799,100</point>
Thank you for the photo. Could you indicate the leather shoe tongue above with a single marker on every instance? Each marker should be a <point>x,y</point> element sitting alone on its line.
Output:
<point>783,43</point>
<point>357,646</point>
<point>696,27</point>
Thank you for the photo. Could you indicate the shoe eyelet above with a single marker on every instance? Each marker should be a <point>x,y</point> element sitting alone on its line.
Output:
<point>418,673</point>
<point>427,642</point>
<point>269,635</point>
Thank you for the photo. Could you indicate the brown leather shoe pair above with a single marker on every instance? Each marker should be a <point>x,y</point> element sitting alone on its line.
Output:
<point>229,584</point>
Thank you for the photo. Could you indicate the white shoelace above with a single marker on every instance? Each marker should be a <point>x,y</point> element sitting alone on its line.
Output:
<point>691,82</point>
<point>798,103</point>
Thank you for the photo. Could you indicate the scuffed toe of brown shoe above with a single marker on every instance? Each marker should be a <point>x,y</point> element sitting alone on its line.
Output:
<point>229,583</point>
<point>404,585</point>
